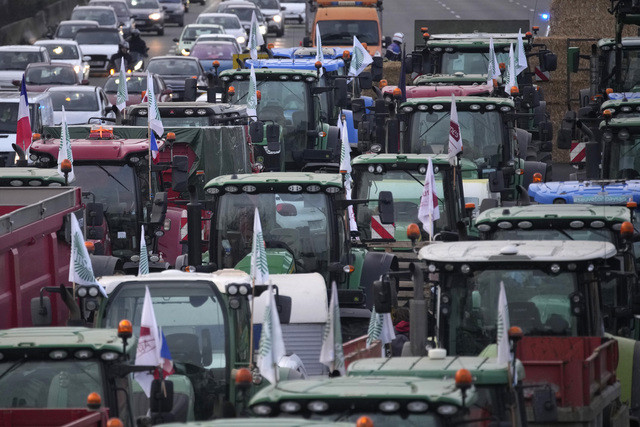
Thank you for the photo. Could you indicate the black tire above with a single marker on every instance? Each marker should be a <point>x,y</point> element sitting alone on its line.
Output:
<point>161,32</point>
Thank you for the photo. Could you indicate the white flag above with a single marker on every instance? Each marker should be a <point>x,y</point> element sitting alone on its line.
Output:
<point>259,266</point>
<point>319,52</point>
<point>494,67</point>
<point>123,91</point>
<point>149,344</point>
<point>271,348</point>
<point>64,149</point>
<point>345,168</point>
<point>380,328</point>
<point>155,122</point>
<point>521,58</point>
<point>143,265</point>
<point>429,210</point>
<point>331,353</point>
<point>255,37</point>
<point>504,353</point>
<point>455,138</point>
<point>510,80</point>
<point>360,58</point>
<point>252,96</point>
<point>80,269</point>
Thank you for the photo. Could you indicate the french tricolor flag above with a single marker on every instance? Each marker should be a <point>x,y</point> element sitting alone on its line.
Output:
<point>23,133</point>
<point>153,147</point>
<point>165,356</point>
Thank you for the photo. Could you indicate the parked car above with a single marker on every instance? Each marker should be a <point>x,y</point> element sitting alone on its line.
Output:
<point>125,19</point>
<point>81,103</point>
<point>295,10</point>
<point>229,22</point>
<point>68,29</point>
<point>14,60</point>
<point>38,77</point>
<point>174,11</point>
<point>272,11</point>
<point>67,52</point>
<point>175,69</point>
<point>244,10</point>
<point>215,50</point>
<point>100,44</point>
<point>136,85</point>
<point>148,15</point>
<point>191,33</point>
<point>103,15</point>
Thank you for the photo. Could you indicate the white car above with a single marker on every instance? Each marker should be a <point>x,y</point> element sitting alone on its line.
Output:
<point>244,10</point>
<point>229,22</point>
<point>14,60</point>
<point>68,52</point>
<point>105,15</point>
<point>295,10</point>
<point>272,11</point>
<point>191,32</point>
<point>81,103</point>
<point>100,44</point>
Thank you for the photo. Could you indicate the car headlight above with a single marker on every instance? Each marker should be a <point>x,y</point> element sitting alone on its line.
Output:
<point>240,39</point>
<point>76,68</point>
<point>263,30</point>
<point>185,52</point>
<point>155,16</point>
<point>277,18</point>
<point>138,66</point>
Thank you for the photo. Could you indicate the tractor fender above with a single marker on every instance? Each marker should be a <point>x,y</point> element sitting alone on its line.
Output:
<point>333,142</point>
<point>532,167</point>
<point>628,373</point>
<point>375,265</point>
<point>105,265</point>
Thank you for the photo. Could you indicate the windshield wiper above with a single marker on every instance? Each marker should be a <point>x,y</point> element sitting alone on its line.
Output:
<point>564,232</point>
<point>114,178</point>
<point>13,367</point>
<point>431,127</point>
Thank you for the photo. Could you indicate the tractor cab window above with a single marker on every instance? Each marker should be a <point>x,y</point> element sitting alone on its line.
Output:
<point>630,69</point>
<point>469,62</point>
<point>625,157</point>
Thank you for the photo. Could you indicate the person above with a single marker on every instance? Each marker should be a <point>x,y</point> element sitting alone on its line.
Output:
<point>123,52</point>
<point>394,50</point>
<point>401,327</point>
<point>136,44</point>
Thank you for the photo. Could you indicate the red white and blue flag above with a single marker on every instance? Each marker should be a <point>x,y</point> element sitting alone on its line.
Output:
<point>165,357</point>
<point>23,133</point>
<point>153,148</point>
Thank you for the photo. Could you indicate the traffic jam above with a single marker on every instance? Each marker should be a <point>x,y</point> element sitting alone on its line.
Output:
<point>283,212</point>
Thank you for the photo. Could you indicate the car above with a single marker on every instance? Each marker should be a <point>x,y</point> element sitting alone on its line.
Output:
<point>100,44</point>
<point>191,32</point>
<point>68,29</point>
<point>272,11</point>
<point>244,10</point>
<point>216,50</point>
<point>174,11</point>
<point>136,85</point>
<point>229,22</point>
<point>175,69</point>
<point>148,15</point>
<point>14,60</point>
<point>67,52</point>
<point>81,103</point>
<point>38,77</point>
<point>125,20</point>
<point>213,37</point>
<point>103,15</point>
<point>295,10</point>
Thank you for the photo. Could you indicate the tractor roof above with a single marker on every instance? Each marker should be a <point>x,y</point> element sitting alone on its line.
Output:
<point>275,181</point>
<point>60,338</point>
<point>544,215</point>
<point>462,101</point>
<point>29,176</point>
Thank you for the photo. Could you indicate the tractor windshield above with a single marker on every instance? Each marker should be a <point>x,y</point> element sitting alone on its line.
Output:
<point>625,157</point>
<point>538,301</point>
<point>482,135</point>
<point>630,69</point>
<point>470,62</point>
<point>296,225</point>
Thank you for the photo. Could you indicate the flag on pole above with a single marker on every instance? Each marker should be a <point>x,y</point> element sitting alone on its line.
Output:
<point>166,361</point>
<point>149,344</point>
<point>380,328</point>
<point>123,91</point>
<point>80,269</point>
<point>252,96</point>
<point>259,266</point>
<point>155,122</point>
<point>504,353</point>
<point>429,211</point>
<point>331,353</point>
<point>255,37</point>
<point>64,149</point>
<point>494,67</point>
<point>23,132</point>
<point>521,58</point>
<point>455,138</point>
<point>153,147</point>
<point>319,52</point>
<point>510,79</point>
<point>345,168</point>
<point>360,58</point>
<point>271,348</point>
<point>143,265</point>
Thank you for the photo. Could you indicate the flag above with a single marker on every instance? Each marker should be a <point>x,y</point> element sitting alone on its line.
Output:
<point>331,353</point>
<point>143,265</point>
<point>504,353</point>
<point>510,79</point>
<point>494,67</point>
<point>166,362</point>
<point>259,267</point>
<point>429,210</point>
<point>255,37</point>
<point>123,91</point>
<point>155,122</point>
<point>521,58</point>
<point>252,96</point>
<point>380,328</point>
<point>455,138</point>
<point>153,148</point>
<point>23,132</point>
<point>345,168</point>
<point>64,149</point>
<point>271,348</point>
<point>360,58</point>
<point>148,351</point>
<point>319,52</point>
<point>80,269</point>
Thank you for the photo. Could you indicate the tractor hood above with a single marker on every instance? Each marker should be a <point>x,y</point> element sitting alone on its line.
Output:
<point>280,262</point>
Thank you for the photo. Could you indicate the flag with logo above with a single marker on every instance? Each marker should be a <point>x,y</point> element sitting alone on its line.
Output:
<point>331,354</point>
<point>143,265</point>
<point>521,57</point>
<point>153,148</point>
<point>504,352</point>
<point>319,52</point>
<point>149,344</point>
<point>80,269</point>
<point>155,122</point>
<point>123,91</point>
<point>259,266</point>
<point>510,79</point>
<point>255,37</point>
<point>23,132</point>
<point>345,168</point>
<point>380,328</point>
<point>271,348</point>
<point>252,96</point>
<point>429,211</point>
<point>455,139</point>
<point>494,67</point>
<point>360,58</point>
<point>64,149</point>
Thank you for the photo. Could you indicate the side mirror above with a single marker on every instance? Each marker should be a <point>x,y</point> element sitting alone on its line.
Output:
<point>256,131</point>
<point>161,398</point>
<point>366,80</point>
<point>306,42</point>
<point>86,58</point>
<point>384,295</point>
<point>190,89</point>
<point>273,138</point>
<point>565,134</point>
<point>159,209</point>
<point>545,131</point>
<point>179,173</point>
<point>385,207</point>
<point>16,83</point>
<point>408,64</point>
<point>549,61</point>
<point>177,40</point>
<point>340,92</point>
<point>573,59</point>
<point>95,214</point>
<point>376,68</point>
<point>283,8</point>
<point>41,311</point>
<point>286,209</point>
<point>496,182</point>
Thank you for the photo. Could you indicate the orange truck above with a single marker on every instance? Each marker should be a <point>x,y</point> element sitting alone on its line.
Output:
<point>340,20</point>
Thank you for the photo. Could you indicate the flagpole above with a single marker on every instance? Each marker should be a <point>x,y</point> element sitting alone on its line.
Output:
<point>150,156</point>
<point>253,298</point>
